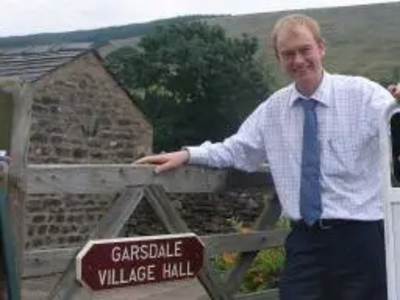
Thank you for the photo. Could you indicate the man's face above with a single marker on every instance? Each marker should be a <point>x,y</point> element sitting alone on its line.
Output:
<point>300,56</point>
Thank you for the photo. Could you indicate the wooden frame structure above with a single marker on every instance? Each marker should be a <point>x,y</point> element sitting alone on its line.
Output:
<point>139,183</point>
<point>135,183</point>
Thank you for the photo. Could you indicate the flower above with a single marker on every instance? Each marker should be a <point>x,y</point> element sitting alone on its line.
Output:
<point>259,278</point>
<point>229,258</point>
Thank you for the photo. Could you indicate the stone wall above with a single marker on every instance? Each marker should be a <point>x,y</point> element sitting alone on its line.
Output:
<point>204,213</point>
<point>79,115</point>
<point>66,222</point>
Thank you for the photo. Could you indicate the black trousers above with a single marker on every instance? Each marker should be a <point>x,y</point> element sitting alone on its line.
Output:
<point>343,262</point>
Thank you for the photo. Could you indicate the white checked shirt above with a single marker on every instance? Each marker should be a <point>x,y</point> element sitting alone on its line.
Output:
<point>349,111</point>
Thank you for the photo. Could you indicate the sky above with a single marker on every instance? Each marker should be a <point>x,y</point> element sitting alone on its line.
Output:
<point>21,17</point>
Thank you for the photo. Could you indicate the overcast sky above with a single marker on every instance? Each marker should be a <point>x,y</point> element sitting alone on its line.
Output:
<point>20,17</point>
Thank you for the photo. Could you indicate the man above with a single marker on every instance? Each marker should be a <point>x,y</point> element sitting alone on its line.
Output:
<point>319,136</point>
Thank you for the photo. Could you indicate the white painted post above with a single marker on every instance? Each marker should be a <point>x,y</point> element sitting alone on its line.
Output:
<point>390,147</point>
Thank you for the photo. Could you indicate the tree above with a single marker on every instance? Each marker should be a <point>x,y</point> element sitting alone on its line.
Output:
<point>192,81</point>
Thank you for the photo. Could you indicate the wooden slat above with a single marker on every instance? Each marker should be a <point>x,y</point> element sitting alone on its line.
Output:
<point>122,209</point>
<point>161,204</point>
<point>265,295</point>
<point>100,179</point>
<point>110,226</point>
<point>18,148</point>
<point>171,219</point>
<point>244,242</point>
<point>268,218</point>
<point>23,98</point>
<point>47,262</point>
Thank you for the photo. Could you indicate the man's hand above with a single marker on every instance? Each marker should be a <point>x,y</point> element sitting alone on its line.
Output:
<point>166,161</point>
<point>395,90</point>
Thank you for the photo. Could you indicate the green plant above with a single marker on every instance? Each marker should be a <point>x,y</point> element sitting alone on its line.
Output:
<point>265,269</point>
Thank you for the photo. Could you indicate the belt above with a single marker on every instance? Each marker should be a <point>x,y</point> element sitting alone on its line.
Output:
<point>323,224</point>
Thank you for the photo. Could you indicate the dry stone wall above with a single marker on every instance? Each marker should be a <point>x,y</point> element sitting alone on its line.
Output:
<point>66,222</point>
<point>204,213</point>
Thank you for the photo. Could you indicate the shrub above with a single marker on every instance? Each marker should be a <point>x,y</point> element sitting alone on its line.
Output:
<point>265,269</point>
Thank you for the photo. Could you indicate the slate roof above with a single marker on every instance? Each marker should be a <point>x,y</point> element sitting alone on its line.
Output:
<point>31,63</point>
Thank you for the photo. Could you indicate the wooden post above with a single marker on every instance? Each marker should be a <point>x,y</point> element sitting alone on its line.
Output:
<point>16,103</point>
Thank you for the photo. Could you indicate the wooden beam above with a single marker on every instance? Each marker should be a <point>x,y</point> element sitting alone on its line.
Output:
<point>21,95</point>
<point>272,294</point>
<point>114,220</point>
<point>244,242</point>
<point>110,226</point>
<point>110,178</point>
<point>47,262</point>
<point>171,219</point>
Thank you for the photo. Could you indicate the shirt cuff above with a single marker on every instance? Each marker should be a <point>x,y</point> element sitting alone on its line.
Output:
<point>197,155</point>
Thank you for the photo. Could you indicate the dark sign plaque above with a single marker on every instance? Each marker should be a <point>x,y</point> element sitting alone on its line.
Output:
<point>107,264</point>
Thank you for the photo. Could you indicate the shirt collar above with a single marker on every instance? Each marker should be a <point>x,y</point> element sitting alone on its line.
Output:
<point>322,94</point>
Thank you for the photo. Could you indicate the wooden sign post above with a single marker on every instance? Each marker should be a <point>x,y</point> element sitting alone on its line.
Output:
<point>15,120</point>
<point>114,263</point>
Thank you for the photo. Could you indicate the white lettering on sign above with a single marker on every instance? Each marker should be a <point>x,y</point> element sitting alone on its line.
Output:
<point>177,270</point>
<point>120,276</point>
<point>115,263</point>
<point>167,249</point>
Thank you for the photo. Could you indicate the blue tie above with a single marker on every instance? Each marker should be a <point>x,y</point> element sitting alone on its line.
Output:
<point>310,189</point>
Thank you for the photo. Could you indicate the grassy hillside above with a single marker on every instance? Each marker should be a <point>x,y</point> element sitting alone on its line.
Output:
<point>362,40</point>
<point>97,36</point>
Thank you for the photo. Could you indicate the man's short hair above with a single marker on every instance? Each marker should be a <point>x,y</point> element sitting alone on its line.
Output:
<point>292,21</point>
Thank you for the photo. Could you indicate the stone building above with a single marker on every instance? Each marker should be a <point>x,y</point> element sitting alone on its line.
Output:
<point>80,114</point>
